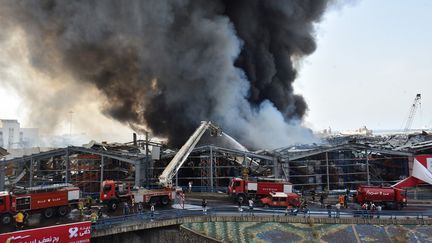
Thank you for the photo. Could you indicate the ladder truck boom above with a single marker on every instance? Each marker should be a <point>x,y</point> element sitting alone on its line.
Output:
<point>165,179</point>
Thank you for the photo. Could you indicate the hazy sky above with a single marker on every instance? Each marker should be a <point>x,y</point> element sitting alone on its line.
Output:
<point>373,57</point>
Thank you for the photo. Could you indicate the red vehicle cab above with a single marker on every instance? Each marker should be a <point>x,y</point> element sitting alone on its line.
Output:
<point>280,199</point>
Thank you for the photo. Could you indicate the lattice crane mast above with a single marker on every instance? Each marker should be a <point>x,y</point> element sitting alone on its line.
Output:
<point>412,112</point>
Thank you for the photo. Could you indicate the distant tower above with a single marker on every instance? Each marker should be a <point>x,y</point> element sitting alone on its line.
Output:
<point>412,112</point>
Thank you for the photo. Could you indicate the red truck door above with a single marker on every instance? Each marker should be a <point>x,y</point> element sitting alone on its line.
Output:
<point>3,204</point>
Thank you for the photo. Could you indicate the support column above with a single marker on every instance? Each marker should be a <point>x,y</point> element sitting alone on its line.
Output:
<point>2,175</point>
<point>31,172</point>
<point>367,167</point>
<point>211,169</point>
<point>137,173</point>
<point>148,167</point>
<point>67,166</point>
<point>102,166</point>
<point>276,168</point>
<point>327,172</point>
<point>244,175</point>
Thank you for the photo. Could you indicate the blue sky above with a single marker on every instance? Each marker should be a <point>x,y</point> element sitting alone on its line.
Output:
<point>373,57</point>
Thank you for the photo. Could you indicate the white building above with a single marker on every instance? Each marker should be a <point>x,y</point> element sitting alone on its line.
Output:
<point>12,136</point>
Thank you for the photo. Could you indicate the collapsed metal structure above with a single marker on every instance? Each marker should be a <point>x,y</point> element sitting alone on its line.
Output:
<point>212,164</point>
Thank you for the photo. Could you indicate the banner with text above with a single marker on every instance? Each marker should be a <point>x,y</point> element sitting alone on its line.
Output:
<point>65,233</point>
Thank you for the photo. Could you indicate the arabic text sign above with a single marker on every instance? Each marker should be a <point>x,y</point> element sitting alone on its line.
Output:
<point>65,233</point>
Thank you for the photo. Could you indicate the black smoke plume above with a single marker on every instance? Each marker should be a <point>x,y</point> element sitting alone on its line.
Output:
<point>169,64</point>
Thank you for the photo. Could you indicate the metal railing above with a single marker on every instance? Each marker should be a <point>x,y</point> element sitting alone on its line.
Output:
<point>159,215</point>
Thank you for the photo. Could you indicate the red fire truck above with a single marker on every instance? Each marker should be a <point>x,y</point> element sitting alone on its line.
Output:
<point>115,192</point>
<point>389,197</point>
<point>240,189</point>
<point>49,200</point>
<point>280,199</point>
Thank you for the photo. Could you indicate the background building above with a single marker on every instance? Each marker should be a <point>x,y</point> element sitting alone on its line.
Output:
<point>13,136</point>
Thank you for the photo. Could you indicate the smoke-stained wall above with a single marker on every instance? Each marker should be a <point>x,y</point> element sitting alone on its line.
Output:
<point>167,65</point>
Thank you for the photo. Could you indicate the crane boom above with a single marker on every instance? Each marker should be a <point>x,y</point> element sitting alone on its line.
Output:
<point>171,169</point>
<point>413,109</point>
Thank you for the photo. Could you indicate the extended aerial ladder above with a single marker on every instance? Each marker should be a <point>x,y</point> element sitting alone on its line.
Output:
<point>165,179</point>
<point>412,112</point>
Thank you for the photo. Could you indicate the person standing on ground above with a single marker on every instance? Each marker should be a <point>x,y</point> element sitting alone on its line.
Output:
<point>379,208</point>
<point>125,208</point>
<point>341,200</point>
<point>240,201</point>
<point>305,211</point>
<point>132,205</point>
<point>251,202</point>
<point>81,207</point>
<point>93,217</point>
<point>322,200</point>
<point>372,209</point>
<point>329,207</point>
<point>338,207</point>
<point>364,209</point>
<point>346,200</point>
<point>140,208</point>
<point>204,205</point>
<point>152,209</point>
<point>190,186</point>
<point>19,220</point>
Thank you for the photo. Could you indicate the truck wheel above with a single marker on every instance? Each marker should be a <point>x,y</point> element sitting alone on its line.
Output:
<point>165,200</point>
<point>63,211</point>
<point>113,205</point>
<point>153,201</point>
<point>241,198</point>
<point>6,219</point>
<point>48,213</point>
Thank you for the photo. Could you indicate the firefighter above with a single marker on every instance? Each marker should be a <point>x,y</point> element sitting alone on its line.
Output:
<point>342,200</point>
<point>89,203</point>
<point>81,207</point>
<point>19,220</point>
<point>93,217</point>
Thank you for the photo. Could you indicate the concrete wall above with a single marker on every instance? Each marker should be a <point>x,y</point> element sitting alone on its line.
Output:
<point>159,235</point>
<point>165,234</point>
<point>140,226</point>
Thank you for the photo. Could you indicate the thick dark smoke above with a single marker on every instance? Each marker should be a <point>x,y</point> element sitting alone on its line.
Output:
<point>170,64</point>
